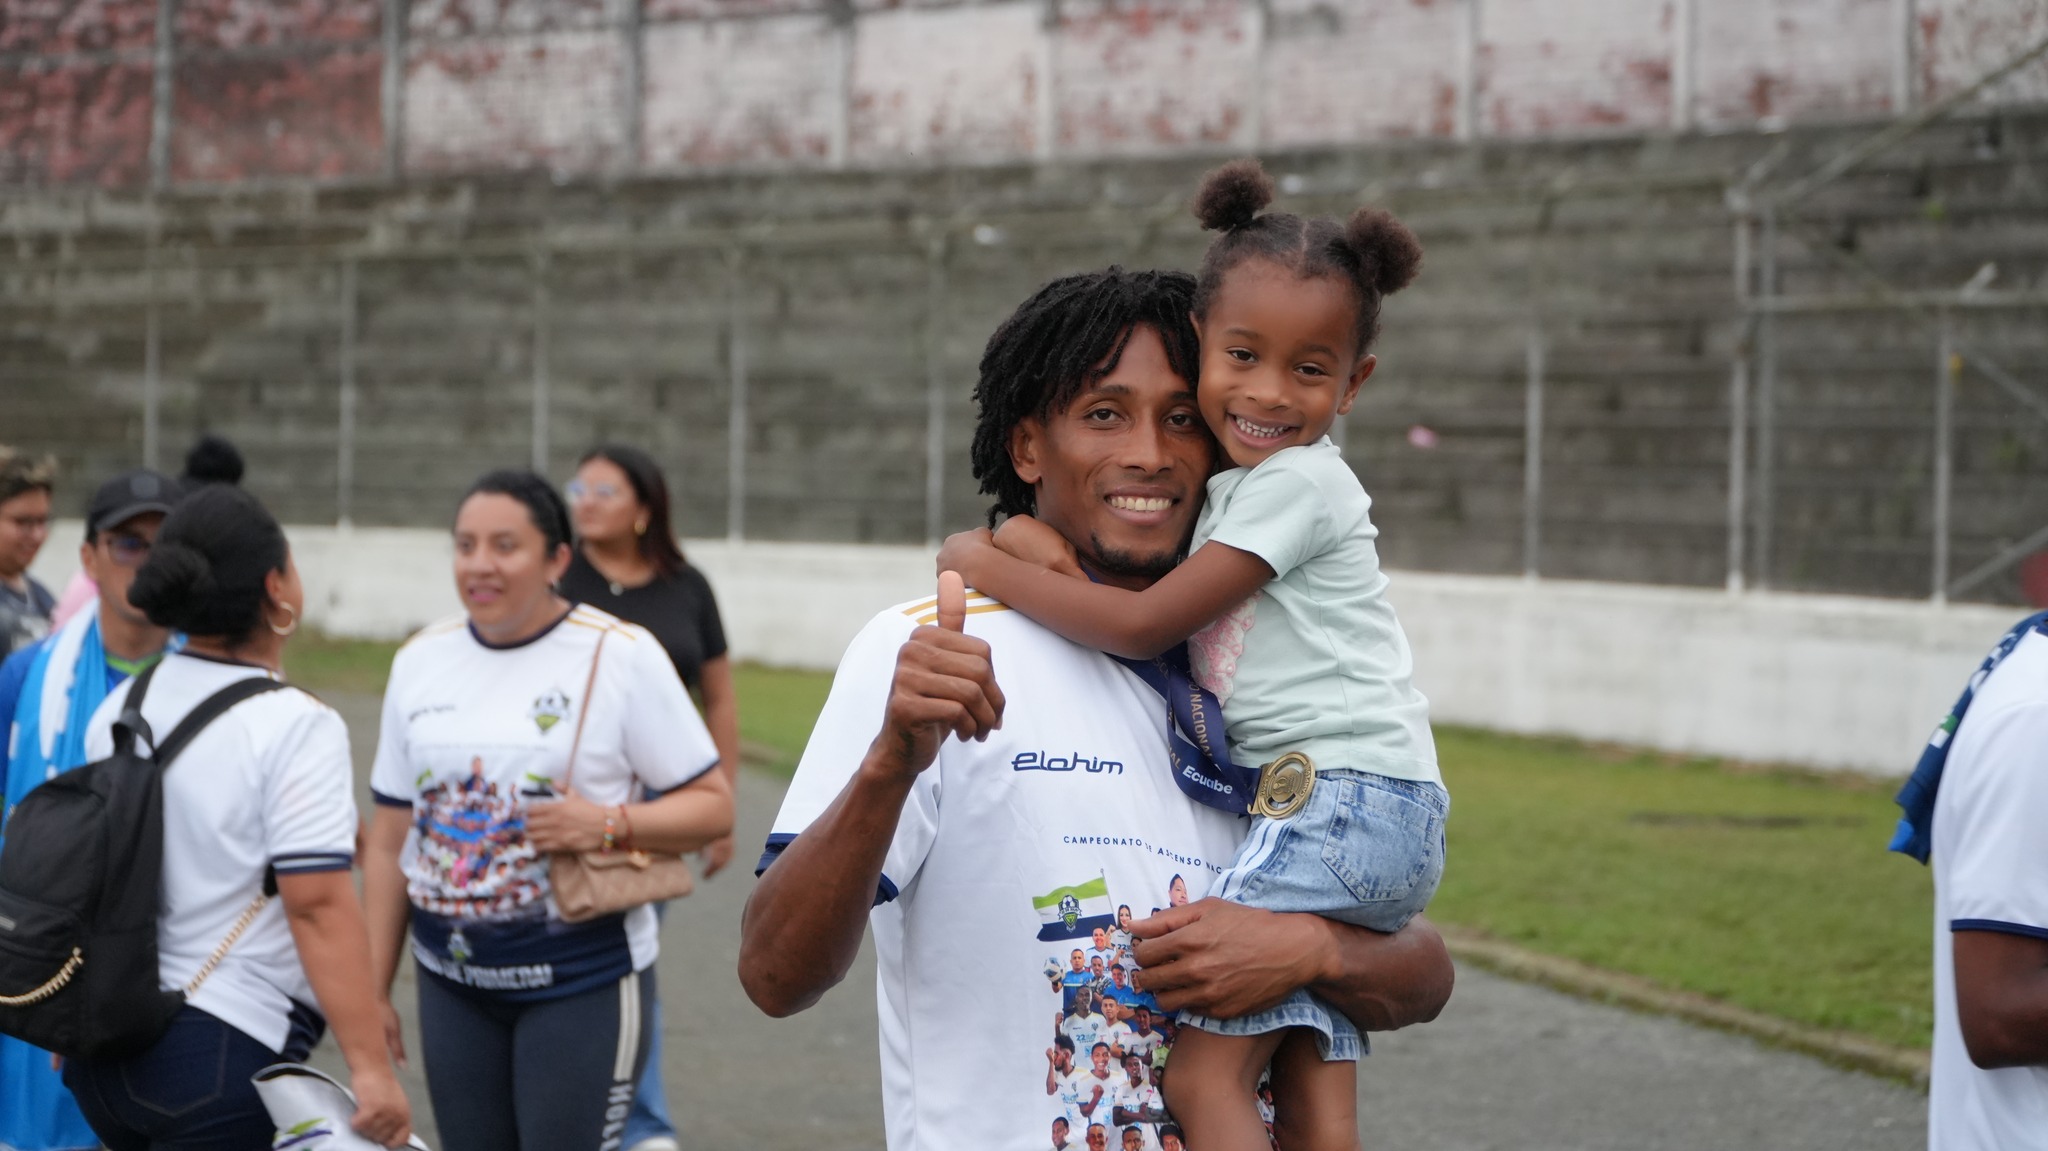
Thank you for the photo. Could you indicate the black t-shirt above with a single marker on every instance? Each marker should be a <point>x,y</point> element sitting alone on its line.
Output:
<point>680,611</point>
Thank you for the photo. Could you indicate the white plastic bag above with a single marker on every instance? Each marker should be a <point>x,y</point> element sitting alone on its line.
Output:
<point>311,1110</point>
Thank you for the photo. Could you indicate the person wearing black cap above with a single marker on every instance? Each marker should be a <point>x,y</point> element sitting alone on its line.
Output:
<point>48,693</point>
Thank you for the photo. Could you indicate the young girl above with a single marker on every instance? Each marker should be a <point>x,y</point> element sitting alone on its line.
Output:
<point>1284,608</point>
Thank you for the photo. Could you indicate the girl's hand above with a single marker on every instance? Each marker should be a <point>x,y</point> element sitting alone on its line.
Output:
<point>963,551</point>
<point>570,823</point>
<point>1033,542</point>
<point>394,1032</point>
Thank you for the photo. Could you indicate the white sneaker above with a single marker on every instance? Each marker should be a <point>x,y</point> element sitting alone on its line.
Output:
<point>658,1143</point>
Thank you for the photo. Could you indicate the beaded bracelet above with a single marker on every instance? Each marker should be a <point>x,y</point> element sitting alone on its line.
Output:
<point>611,838</point>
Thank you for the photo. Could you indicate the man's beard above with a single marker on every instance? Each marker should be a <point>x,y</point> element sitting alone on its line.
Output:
<point>1130,565</point>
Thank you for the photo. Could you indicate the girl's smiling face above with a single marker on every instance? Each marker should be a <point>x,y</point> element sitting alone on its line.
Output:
<point>1279,359</point>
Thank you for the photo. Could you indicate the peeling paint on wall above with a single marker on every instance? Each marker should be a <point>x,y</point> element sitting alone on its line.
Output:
<point>74,123</point>
<point>203,24</point>
<point>928,85</point>
<point>1764,61</point>
<point>1337,72</point>
<point>440,19</point>
<point>550,100</point>
<point>51,27</point>
<point>738,92</point>
<point>1961,40</point>
<point>1151,76</point>
<point>318,116</point>
<point>1566,66</point>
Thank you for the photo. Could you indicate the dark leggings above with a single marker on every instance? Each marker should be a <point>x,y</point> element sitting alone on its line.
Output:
<point>556,1075</point>
<point>190,1090</point>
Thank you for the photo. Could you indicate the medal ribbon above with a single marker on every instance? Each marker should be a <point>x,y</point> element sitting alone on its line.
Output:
<point>1202,768</point>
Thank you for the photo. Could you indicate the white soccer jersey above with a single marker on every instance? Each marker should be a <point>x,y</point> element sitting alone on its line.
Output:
<point>473,733</point>
<point>1008,854</point>
<point>1991,873</point>
<point>1134,1101</point>
<point>266,784</point>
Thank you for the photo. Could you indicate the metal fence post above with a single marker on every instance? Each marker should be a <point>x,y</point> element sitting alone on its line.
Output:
<point>1532,458</point>
<point>1738,406</point>
<point>1684,57</point>
<point>736,417</point>
<point>1904,22</point>
<point>152,370</point>
<point>1767,400</point>
<point>1046,123</point>
<point>1947,370</point>
<point>541,337</point>
<point>840,144</point>
<point>395,14</point>
<point>935,391</point>
<point>1467,126</point>
<point>631,109</point>
<point>345,428</point>
<point>163,86</point>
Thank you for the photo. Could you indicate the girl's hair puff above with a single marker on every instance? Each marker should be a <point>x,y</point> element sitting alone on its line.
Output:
<point>1372,251</point>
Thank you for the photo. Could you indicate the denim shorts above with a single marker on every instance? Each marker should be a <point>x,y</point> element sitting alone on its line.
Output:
<point>1365,849</point>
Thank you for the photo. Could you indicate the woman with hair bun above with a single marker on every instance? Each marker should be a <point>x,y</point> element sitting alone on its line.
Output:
<point>265,789</point>
<point>1283,607</point>
<point>525,728</point>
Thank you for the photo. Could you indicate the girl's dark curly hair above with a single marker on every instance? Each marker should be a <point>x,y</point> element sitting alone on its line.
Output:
<point>1372,251</point>
<point>1069,334</point>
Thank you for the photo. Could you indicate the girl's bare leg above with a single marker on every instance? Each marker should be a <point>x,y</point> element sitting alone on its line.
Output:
<point>1315,1103</point>
<point>1212,1088</point>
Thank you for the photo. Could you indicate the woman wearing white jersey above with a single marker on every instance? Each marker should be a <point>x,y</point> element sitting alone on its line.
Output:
<point>533,1028</point>
<point>265,788</point>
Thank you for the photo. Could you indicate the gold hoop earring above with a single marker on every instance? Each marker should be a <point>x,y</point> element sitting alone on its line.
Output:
<point>640,529</point>
<point>290,627</point>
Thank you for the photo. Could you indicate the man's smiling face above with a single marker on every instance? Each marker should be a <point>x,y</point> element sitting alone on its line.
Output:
<point>1119,472</point>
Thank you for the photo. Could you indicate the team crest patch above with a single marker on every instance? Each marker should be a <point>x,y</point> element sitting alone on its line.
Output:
<point>549,709</point>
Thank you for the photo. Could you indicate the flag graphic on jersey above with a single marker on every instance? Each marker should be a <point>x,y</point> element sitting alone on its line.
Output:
<point>1075,912</point>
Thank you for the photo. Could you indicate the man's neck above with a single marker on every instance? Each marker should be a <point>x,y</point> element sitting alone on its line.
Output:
<point>125,639</point>
<point>18,581</point>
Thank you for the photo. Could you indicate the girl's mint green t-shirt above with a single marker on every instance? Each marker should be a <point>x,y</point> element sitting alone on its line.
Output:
<point>1315,661</point>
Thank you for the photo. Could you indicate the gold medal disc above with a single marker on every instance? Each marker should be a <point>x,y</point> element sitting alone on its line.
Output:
<point>1284,785</point>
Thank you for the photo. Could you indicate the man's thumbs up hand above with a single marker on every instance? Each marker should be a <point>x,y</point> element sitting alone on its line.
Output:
<point>952,602</point>
<point>945,682</point>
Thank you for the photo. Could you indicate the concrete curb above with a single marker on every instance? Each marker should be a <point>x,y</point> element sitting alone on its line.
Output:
<point>1838,1047</point>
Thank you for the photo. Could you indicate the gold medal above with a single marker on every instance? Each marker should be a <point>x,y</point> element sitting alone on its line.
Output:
<point>1284,785</point>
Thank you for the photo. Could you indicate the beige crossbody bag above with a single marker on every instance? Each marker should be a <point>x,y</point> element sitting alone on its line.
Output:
<point>592,884</point>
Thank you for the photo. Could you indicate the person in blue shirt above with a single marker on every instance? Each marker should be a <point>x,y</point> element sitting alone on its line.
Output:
<point>48,692</point>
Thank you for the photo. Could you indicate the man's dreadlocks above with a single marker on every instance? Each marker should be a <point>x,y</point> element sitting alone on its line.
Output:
<point>1068,335</point>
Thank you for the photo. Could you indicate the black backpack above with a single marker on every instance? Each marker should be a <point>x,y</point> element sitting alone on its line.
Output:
<point>80,878</point>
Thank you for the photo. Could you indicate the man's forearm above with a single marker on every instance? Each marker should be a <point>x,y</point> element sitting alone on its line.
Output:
<point>803,924</point>
<point>1384,982</point>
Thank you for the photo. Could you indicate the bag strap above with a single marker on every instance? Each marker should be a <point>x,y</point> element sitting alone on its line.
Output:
<point>211,708</point>
<point>130,725</point>
<point>583,709</point>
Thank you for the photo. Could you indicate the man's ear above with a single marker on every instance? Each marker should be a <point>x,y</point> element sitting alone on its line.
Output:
<point>1359,375</point>
<point>1026,439</point>
<point>89,560</point>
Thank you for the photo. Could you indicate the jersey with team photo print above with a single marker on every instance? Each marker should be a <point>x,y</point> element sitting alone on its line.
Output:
<point>472,736</point>
<point>1009,857</point>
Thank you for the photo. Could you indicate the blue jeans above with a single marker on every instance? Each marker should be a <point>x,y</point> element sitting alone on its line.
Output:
<point>1365,849</point>
<point>649,1117</point>
<point>189,1091</point>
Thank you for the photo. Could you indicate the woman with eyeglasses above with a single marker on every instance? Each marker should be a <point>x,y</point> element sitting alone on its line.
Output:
<point>262,801</point>
<point>627,563</point>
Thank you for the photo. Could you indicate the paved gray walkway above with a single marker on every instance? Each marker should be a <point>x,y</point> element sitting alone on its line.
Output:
<point>1509,1066</point>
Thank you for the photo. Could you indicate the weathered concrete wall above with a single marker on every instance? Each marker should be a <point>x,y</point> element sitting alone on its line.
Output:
<point>834,306</point>
<point>322,89</point>
<point>1831,682</point>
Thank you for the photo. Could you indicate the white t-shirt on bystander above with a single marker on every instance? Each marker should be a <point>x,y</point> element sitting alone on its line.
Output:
<point>268,784</point>
<point>1991,874</point>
